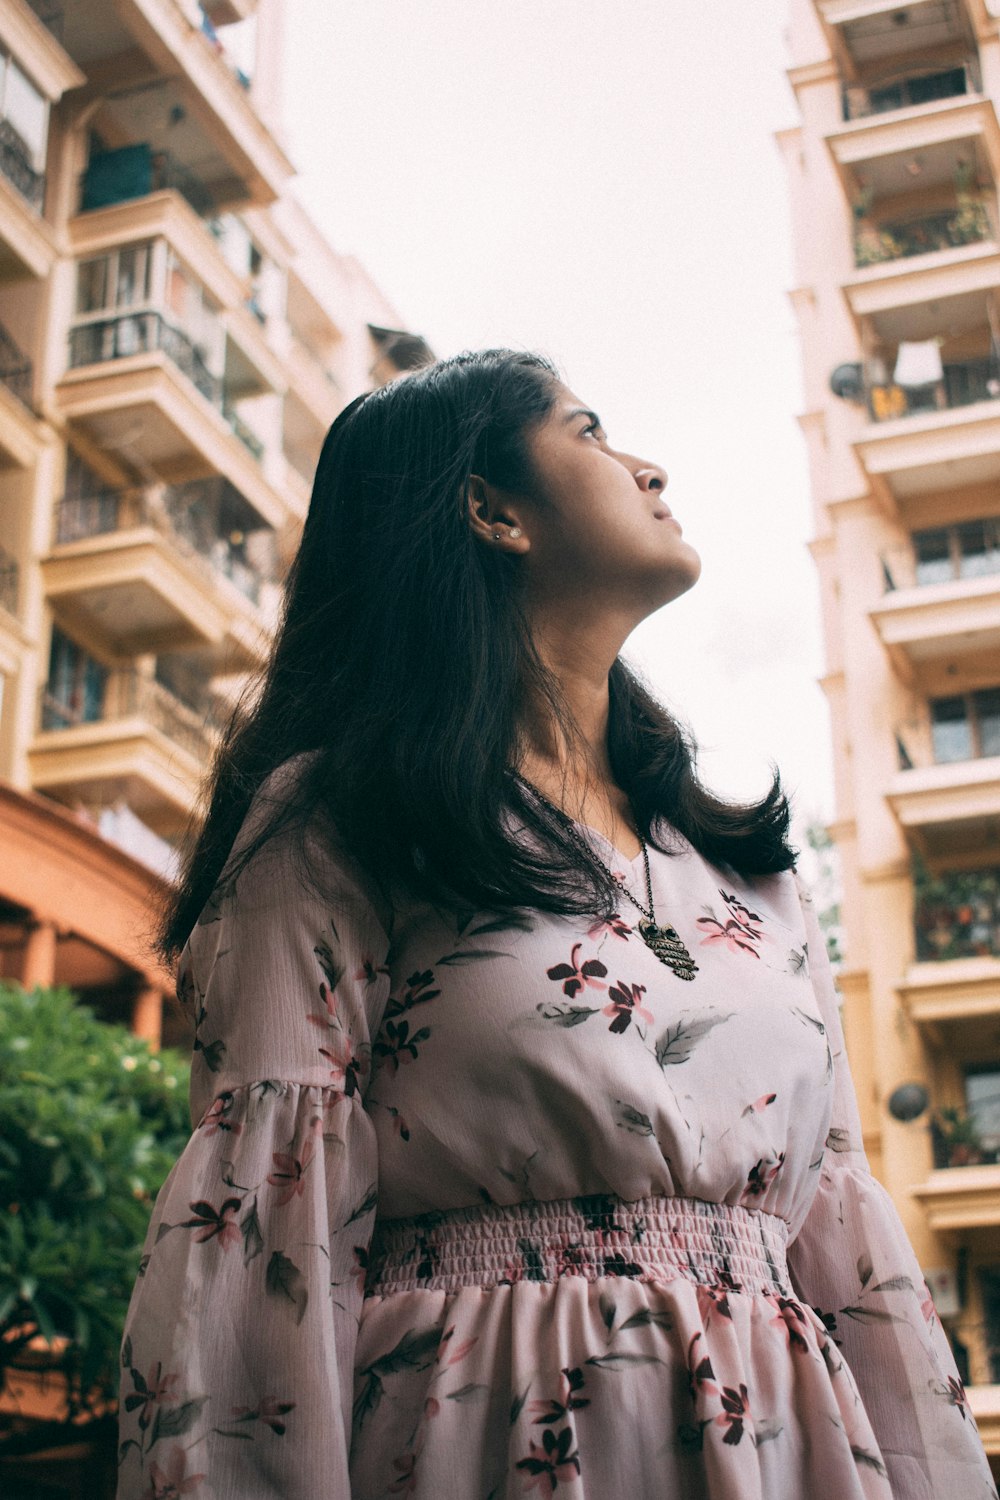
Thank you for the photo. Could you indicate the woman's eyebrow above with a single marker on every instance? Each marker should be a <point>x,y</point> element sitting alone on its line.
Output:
<point>583,411</point>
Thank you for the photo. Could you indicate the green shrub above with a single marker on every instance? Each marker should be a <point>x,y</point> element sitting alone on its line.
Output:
<point>91,1120</point>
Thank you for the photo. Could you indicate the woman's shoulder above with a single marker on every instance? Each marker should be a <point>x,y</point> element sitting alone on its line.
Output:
<point>301,847</point>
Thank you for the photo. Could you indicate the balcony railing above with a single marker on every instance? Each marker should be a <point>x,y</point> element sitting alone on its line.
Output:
<point>175,514</point>
<point>947,554</point>
<point>963,383</point>
<point>949,229</point>
<point>135,171</point>
<point>957,914</point>
<point>142,333</point>
<point>15,164</point>
<point>9,574</point>
<point>15,368</point>
<point>130,695</point>
<point>246,434</point>
<point>906,92</point>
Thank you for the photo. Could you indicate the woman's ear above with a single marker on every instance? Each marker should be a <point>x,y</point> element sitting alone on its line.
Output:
<point>495,517</point>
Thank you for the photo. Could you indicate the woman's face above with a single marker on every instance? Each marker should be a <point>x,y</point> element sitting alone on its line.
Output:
<point>601,524</point>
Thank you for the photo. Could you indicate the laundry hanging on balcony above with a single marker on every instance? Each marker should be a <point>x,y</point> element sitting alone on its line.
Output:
<point>919,364</point>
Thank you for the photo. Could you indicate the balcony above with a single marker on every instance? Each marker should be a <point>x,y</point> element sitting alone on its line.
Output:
<point>961,1197</point>
<point>140,386</point>
<point>931,148</point>
<point>869,34</point>
<point>149,571</point>
<point>144,746</point>
<point>927,234</point>
<point>908,90</point>
<point>196,106</point>
<point>947,803</point>
<point>937,437</point>
<point>136,171</point>
<point>939,992</point>
<point>19,439</point>
<point>925,623</point>
<point>956,921</point>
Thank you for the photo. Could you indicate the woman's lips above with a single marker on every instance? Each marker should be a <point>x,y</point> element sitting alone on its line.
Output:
<point>664,515</point>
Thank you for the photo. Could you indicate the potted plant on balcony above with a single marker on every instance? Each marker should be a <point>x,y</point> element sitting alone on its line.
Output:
<point>90,1122</point>
<point>957,1139</point>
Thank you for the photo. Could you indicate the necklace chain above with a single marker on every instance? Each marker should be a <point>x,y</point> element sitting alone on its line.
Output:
<point>589,850</point>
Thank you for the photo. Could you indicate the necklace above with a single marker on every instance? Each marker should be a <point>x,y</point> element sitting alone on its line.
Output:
<point>662,940</point>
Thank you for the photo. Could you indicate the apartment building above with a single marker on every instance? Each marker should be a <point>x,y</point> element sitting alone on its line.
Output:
<point>894,174</point>
<point>175,338</point>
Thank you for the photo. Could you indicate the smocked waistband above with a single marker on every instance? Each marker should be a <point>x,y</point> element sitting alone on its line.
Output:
<point>649,1239</point>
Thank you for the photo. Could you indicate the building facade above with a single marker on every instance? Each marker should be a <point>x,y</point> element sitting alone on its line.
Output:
<point>175,338</point>
<point>894,174</point>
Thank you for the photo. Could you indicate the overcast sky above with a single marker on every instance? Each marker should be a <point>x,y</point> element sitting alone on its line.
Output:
<point>600,181</point>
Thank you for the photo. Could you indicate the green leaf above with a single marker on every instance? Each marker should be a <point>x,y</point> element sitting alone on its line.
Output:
<point>253,1239</point>
<point>174,1421</point>
<point>467,1393</point>
<point>285,1281</point>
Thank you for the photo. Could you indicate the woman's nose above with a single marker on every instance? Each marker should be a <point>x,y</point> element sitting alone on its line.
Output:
<point>651,477</point>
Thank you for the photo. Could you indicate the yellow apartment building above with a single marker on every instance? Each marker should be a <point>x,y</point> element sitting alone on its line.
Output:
<point>175,338</point>
<point>894,174</point>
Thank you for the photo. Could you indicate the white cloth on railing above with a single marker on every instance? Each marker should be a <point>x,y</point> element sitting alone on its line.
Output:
<point>919,364</point>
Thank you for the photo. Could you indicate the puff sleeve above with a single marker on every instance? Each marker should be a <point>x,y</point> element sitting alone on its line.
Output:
<point>238,1355</point>
<point>852,1261</point>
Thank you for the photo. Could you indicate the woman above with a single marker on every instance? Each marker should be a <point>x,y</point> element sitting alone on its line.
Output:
<point>526,1152</point>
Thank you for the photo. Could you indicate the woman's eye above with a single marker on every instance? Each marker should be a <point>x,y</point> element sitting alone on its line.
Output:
<point>594,429</point>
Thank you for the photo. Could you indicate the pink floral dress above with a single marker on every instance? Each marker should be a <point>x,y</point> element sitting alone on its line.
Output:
<point>479,1206</point>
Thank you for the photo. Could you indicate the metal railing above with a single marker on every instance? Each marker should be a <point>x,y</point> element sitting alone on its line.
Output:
<point>9,575</point>
<point>15,368</point>
<point>174,513</point>
<point>957,914</point>
<point>246,434</point>
<point>908,91</point>
<point>129,695</point>
<point>142,333</point>
<point>15,164</point>
<point>168,172</point>
<point>963,383</point>
<point>949,229</point>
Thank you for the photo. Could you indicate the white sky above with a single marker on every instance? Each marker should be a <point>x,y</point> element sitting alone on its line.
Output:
<point>600,181</point>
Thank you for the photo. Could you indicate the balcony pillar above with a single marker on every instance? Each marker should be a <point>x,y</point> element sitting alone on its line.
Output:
<point>38,957</point>
<point>147,1016</point>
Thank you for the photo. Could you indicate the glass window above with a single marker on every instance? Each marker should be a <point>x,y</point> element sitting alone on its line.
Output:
<point>27,110</point>
<point>933,551</point>
<point>133,276</point>
<point>76,684</point>
<point>987,706</point>
<point>951,730</point>
<point>92,285</point>
<point>979,547</point>
<point>982,1098</point>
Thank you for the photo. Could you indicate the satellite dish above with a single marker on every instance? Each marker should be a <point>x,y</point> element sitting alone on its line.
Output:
<point>848,382</point>
<point>909,1101</point>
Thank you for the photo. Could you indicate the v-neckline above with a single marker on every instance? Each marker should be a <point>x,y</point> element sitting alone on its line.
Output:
<point>587,828</point>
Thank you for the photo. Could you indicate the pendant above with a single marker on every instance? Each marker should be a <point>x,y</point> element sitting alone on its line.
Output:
<point>668,947</point>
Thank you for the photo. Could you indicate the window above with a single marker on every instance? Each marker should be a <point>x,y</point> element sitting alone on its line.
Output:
<point>969,550</point>
<point>982,1100</point>
<point>966,727</point>
<point>75,689</point>
<point>25,109</point>
<point>120,279</point>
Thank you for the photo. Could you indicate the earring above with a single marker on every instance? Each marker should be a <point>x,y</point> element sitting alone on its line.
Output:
<point>496,536</point>
<point>515,531</point>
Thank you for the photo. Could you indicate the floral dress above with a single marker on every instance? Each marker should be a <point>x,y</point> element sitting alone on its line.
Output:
<point>480,1205</point>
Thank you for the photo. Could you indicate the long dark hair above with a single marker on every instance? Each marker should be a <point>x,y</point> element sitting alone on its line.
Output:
<point>403,662</point>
